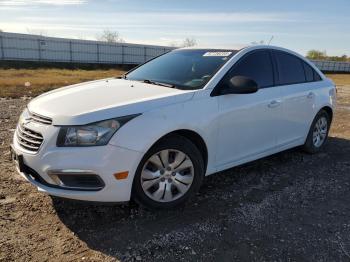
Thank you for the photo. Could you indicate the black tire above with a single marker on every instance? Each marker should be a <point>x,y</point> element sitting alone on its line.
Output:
<point>309,145</point>
<point>175,142</point>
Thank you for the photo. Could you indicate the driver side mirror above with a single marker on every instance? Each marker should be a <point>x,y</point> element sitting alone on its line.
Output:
<point>239,85</point>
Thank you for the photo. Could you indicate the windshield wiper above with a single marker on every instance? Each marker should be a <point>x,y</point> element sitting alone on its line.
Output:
<point>147,81</point>
<point>121,77</point>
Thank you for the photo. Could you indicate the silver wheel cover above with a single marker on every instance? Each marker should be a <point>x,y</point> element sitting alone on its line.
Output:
<point>320,132</point>
<point>167,175</point>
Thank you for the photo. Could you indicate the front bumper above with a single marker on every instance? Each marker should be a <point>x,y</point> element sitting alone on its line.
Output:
<point>103,161</point>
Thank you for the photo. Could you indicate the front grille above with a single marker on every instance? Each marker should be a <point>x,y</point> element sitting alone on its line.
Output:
<point>29,139</point>
<point>40,119</point>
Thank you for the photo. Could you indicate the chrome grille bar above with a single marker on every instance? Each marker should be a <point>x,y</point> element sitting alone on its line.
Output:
<point>40,119</point>
<point>27,132</point>
<point>29,139</point>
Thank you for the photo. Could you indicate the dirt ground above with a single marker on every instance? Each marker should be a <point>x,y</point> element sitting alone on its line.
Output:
<point>287,207</point>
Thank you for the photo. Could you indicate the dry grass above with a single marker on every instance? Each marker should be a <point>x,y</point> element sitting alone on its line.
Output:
<point>26,82</point>
<point>340,79</point>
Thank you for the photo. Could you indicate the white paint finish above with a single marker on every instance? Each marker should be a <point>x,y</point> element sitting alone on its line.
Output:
<point>298,111</point>
<point>248,124</point>
<point>198,115</point>
<point>235,128</point>
<point>301,103</point>
<point>103,99</point>
<point>103,161</point>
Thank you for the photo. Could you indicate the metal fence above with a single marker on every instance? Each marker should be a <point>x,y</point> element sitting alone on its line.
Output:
<point>26,47</point>
<point>332,66</point>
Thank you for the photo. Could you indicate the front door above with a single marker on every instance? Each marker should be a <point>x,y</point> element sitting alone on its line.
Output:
<point>249,123</point>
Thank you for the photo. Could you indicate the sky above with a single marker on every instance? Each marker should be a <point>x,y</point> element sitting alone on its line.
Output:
<point>299,25</point>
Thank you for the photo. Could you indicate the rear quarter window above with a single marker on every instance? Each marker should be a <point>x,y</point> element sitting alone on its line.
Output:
<point>310,74</point>
<point>317,77</point>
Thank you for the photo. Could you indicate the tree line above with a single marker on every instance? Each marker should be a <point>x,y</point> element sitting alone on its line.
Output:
<point>322,55</point>
<point>114,37</point>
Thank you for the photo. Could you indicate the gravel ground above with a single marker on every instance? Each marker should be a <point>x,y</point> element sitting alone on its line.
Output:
<point>287,207</point>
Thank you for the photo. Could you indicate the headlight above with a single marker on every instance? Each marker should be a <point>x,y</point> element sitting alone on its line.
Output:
<point>94,134</point>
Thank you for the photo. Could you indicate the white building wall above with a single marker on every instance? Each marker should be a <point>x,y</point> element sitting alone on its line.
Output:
<point>50,49</point>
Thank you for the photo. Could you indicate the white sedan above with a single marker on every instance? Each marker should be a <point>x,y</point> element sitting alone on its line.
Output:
<point>153,134</point>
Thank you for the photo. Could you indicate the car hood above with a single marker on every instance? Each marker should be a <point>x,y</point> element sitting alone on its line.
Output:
<point>103,99</point>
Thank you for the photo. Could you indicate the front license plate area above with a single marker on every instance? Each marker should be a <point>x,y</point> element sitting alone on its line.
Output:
<point>17,159</point>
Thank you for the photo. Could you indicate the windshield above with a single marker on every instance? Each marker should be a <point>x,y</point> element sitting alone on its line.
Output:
<point>183,69</point>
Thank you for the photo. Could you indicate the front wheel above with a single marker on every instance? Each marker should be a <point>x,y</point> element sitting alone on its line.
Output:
<point>318,133</point>
<point>169,173</point>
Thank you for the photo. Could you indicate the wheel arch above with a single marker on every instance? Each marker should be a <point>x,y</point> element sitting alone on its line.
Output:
<point>329,111</point>
<point>194,137</point>
<point>326,108</point>
<point>308,144</point>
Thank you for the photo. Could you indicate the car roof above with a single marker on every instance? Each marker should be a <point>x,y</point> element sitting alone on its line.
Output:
<point>209,49</point>
<point>247,48</point>
<point>252,47</point>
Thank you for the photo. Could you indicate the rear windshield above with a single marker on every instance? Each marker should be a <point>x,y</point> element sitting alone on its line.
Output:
<point>184,69</point>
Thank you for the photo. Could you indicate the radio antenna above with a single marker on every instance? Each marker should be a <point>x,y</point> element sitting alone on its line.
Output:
<point>270,40</point>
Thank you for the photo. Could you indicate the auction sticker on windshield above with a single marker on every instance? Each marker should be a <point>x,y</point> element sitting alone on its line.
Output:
<point>217,53</point>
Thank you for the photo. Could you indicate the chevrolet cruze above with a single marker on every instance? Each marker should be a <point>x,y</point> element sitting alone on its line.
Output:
<point>153,134</point>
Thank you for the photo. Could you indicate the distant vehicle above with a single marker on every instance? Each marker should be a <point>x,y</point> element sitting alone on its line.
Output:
<point>153,134</point>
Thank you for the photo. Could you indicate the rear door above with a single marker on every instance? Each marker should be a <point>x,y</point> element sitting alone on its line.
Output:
<point>296,82</point>
<point>249,123</point>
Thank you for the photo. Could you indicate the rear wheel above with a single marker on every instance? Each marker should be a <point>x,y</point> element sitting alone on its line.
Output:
<point>169,173</point>
<point>318,133</point>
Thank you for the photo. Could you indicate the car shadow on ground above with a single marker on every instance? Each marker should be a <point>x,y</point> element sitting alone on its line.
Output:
<point>116,229</point>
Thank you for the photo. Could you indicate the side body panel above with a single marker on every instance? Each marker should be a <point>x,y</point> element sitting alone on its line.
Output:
<point>198,115</point>
<point>301,102</point>
<point>249,124</point>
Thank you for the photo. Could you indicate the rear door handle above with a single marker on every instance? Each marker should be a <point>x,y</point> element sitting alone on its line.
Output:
<point>274,103</point>
<point>310,95</point>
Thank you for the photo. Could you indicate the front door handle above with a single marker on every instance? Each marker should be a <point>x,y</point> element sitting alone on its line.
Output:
<point>274,103</point>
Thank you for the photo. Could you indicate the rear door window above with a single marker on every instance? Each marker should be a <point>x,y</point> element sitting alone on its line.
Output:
<point>290,69</point>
